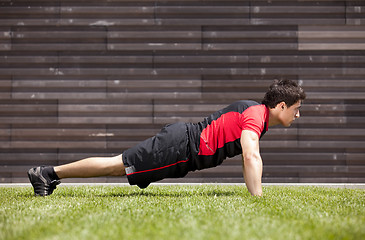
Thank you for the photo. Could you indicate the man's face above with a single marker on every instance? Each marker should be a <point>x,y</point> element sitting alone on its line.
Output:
<point>289,114</point>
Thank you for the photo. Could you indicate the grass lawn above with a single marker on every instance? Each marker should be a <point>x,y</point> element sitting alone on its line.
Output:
<point>182,212</point>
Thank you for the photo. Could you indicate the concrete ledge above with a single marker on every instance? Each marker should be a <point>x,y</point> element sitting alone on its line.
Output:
<point>332,185</point>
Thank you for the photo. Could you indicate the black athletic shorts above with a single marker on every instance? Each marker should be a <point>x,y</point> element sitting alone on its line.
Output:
<point>165,155</point>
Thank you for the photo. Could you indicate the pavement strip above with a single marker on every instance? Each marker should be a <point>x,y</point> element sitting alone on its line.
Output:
<point>331,185</point>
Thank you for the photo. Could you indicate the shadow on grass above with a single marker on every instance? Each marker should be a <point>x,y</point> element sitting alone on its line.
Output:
<point>132,191</point>
<point>172,194</point>
<point>123,192</point>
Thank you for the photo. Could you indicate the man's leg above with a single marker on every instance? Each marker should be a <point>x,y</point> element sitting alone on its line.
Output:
<point>92,167</point>
<point>45,178</point>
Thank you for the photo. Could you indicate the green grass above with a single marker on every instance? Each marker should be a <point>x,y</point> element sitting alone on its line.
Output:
<point>182,212</point>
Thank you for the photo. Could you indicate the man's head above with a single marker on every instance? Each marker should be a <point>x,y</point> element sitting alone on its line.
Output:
<point>284,99</point>
<point>283,90</point>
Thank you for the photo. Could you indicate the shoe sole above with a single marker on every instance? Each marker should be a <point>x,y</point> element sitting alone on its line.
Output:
<point>36,179</point>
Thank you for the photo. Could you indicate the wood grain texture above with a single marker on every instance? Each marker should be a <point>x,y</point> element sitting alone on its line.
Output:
<point>93,78</point>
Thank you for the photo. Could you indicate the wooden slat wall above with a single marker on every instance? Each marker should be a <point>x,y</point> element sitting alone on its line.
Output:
<point>92,78</point>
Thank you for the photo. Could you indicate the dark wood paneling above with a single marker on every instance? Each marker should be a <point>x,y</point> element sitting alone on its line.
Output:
<point>93,78</point>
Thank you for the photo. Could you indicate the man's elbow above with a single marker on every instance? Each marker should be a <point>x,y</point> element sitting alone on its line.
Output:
<point>251,159</point>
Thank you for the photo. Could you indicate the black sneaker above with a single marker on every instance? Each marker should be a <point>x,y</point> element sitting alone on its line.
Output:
<point>42,184</point>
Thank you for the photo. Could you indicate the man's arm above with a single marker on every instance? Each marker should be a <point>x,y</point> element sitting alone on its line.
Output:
<point>252,163</point>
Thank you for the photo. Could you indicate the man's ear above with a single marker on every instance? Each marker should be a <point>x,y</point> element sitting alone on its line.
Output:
<point>281,105</point>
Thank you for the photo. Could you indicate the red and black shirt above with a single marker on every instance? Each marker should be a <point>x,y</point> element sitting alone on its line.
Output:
<point>218,136</point>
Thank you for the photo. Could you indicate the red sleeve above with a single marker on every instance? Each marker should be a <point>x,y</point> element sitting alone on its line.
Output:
<point>253,119</point>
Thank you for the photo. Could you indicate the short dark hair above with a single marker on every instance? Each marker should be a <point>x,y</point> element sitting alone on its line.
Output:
<point>283,90</point>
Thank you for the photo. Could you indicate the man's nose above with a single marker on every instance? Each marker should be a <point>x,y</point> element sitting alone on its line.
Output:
<point>297,115</point>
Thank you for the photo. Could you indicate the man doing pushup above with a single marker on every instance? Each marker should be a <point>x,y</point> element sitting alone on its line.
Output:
<point>183,147</point>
